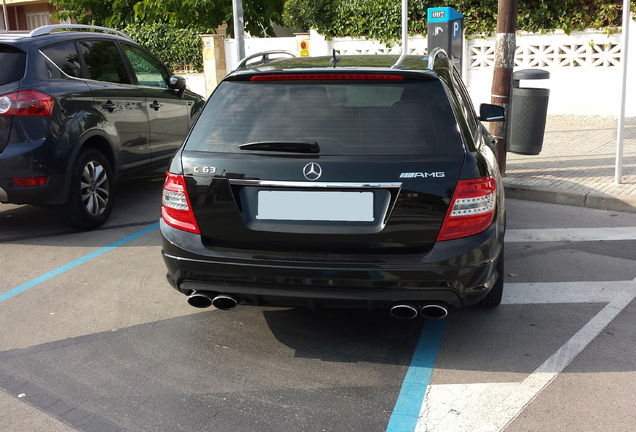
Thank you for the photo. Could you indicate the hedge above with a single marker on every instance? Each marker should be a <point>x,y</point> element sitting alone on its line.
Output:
<point>180,49</point>
<point>381,19</point>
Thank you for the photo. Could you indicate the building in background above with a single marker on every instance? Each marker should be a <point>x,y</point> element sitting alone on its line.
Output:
<point>27,14</point>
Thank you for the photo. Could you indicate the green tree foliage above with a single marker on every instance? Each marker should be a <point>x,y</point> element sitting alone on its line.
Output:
<point>172,29</point>
<point>381,19</point>
<point>184,14</point>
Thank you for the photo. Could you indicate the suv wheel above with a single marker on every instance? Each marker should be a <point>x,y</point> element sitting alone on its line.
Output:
<point>90,201</point>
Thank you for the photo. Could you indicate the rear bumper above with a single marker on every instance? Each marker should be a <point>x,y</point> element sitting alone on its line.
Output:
<point>35,157</point>
<point>457,272</point>
<point>54,191</point>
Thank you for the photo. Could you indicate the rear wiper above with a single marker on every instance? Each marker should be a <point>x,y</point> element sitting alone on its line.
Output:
<point>283,146</point>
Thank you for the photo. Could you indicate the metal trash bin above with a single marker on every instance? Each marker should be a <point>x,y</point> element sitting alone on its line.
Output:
<point>527,113</point>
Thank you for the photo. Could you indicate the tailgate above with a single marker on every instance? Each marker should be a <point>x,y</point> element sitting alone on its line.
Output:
<point>358,205</point>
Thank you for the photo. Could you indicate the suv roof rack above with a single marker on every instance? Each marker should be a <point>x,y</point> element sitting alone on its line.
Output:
<point>434,55</point>
<point>48,29</point>
<point>13,34</point>
<point>265,57</point>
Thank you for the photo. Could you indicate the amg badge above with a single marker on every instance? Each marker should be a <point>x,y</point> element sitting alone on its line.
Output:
<point>439,174</point>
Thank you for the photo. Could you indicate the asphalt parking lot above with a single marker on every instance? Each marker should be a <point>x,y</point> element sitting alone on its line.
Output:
<point>94,339</point>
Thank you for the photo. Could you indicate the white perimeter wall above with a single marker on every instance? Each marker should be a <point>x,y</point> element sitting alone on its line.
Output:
<point>585,67</point>
<point>585,70</point>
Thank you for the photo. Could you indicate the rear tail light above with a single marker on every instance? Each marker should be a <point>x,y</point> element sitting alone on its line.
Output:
<point>175,207</point>
<point>472,209</point>
<point>29,181</point>
<point>26,103</point>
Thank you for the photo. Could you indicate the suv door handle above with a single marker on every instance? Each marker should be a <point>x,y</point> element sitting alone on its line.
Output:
<point>109,105</point>
<point>155,105</point>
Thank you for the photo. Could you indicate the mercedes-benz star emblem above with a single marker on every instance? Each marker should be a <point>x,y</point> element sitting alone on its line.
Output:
<point>312,171</point>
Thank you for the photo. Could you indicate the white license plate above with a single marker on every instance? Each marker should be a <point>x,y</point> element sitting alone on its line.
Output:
<point>315,206</point>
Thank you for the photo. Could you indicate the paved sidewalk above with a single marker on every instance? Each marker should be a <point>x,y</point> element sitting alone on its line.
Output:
<point>577,165</point>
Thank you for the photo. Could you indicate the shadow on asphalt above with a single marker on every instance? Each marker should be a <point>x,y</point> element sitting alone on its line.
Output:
<point>137,203</point>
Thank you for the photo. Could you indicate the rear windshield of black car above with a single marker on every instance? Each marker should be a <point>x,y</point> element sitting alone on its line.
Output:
<point>13,62</point>
<point>343,117</point>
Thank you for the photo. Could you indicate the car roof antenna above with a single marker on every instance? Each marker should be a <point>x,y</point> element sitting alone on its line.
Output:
<point>334,61</point>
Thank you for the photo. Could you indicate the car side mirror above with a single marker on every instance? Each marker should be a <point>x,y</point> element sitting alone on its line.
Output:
<point>491,113</point>
<point>178,83</point>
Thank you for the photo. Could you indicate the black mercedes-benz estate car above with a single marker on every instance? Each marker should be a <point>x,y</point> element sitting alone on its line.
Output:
<point>338,182</point>
<point>78,109</point>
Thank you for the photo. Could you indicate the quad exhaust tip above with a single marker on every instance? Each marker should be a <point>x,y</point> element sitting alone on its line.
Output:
<point>403,311</point>
<point>408,311</point>
<point>434,311</point>
<point>205,299</point>
<point>225,302</point>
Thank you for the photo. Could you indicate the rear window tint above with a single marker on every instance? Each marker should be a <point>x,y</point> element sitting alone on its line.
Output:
<point>65,57</point>
<point>343,117</point>
<point>13,62</point>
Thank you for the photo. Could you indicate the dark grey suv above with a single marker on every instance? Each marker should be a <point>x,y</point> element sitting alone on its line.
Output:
<point>78,109</point>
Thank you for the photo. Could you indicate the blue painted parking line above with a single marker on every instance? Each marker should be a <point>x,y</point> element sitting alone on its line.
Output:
<point>76,262</point>
<point>407,408</point>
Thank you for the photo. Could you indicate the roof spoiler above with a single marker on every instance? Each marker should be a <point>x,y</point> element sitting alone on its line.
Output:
<point>265,58</point>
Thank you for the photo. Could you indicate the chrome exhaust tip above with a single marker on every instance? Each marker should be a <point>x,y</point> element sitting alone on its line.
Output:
<point>200,299</point>
<point>225,302</point>
<point>434,311</point>
<point>403,311</point>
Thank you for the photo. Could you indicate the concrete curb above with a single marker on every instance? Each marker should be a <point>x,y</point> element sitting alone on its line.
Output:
<point>580,199</point>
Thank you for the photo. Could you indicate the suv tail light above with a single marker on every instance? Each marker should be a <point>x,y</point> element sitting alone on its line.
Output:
<point>26,103</point>
<point>472,209</point>
<point>29,181</point>
<point>175,206</point>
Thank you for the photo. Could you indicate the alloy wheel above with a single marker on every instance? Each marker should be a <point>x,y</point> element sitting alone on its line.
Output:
<point>95,188</point>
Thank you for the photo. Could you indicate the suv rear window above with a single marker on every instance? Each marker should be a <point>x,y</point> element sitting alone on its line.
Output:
<point>343,117</point>
<point>13,62</point>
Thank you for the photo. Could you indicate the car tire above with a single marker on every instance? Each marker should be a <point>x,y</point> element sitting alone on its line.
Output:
<point>493,299</point>
<point>91,197</point>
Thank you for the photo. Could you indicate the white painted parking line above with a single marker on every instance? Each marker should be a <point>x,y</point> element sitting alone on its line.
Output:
<point>570,234</point>
<point>563,292</point>
<point>492,406</point>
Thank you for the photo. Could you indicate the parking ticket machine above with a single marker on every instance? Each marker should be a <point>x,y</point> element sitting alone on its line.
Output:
<point>445,30</point>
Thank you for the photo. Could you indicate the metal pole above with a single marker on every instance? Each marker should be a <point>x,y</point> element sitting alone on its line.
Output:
<point>4,13</point>
<point>237,8</point>
<point>618,172</point>
<point>405,32</point>
<point>504,64</point>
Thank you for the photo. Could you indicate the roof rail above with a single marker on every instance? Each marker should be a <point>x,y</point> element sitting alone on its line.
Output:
<point>48,29</point>
<point>6,34</point>
<point>434,55</point>
<point>265,57</point>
